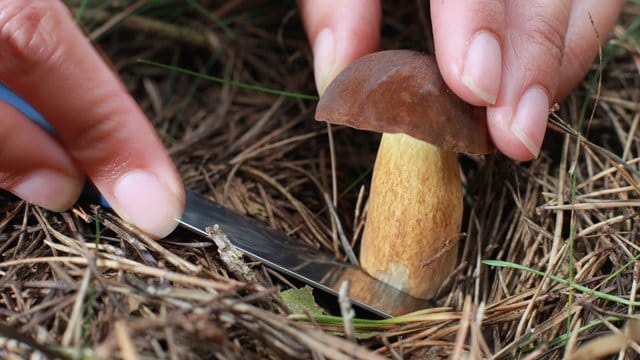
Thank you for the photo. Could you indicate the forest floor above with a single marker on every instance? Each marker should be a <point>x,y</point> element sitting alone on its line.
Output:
<point>549,264</point>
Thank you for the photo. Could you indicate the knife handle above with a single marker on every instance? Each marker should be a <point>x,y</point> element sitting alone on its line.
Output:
<point>18,103</point>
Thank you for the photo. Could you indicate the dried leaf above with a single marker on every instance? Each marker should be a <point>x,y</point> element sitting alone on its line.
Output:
<point>301,301</point>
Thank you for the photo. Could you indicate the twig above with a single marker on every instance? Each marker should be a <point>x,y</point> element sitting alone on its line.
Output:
<point>230,256</point>
<point>124,340</point>
<point>343,238</point>
<point>11,333</point>
<point>205,39</point>
<point>346,310</point>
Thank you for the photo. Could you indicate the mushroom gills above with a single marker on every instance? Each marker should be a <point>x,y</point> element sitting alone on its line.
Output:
<point>412,246</point>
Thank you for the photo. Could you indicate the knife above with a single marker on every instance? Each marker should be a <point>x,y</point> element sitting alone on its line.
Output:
<point>272,247</point>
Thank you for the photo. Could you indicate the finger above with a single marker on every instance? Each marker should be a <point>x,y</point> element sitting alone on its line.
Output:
<point>533,48</point>
<point>584,38</point>
<point>33,166</point>
<point>468,36</point>
<point>47,60</point>
<point>340,32</point>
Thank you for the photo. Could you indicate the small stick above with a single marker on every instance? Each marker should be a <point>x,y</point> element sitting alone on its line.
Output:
<point>346,310</point>
<point>229,255</point>
<point>124,340</point>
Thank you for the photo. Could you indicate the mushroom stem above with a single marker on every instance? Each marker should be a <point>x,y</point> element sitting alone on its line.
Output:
<point>414,215</point>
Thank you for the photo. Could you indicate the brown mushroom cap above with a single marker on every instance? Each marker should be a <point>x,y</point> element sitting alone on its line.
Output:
<point>401,91</point>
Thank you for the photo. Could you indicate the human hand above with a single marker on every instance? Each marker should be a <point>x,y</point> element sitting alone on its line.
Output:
<point>101,131</point>
<point>514,57</point>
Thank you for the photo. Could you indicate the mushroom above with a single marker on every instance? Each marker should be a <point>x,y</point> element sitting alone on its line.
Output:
<point>415,206</point>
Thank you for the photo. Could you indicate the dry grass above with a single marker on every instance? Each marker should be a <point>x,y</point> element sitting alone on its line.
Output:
<point>549,262</point>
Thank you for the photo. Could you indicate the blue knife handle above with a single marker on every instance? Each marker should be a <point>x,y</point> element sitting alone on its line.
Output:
<point>32,114</point>
<point>25,108</point>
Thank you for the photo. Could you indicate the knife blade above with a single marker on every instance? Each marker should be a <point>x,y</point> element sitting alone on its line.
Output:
<point>271,247</point>
<point>282,253</point>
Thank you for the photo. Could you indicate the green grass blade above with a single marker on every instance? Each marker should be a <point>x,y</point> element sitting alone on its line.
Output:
<point>357,181</point>
<point>358,323</point>
<point>80,11</point>
<point>230,82</point>
<point>561,339</point>
<point>583,289</point>
<point>209,15</point>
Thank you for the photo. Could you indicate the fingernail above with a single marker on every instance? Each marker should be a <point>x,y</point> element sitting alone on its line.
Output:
<point>530,120</point>
<point>483,66</point>
<point>49,189</point>
<point>142,199</point>
<point>324,58</point>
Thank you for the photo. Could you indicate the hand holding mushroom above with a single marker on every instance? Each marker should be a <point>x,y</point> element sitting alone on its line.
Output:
<point>510,56</point>
<point>415,203</point>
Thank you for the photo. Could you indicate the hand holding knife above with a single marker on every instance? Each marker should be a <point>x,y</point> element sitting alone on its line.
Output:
<point>271,247</point>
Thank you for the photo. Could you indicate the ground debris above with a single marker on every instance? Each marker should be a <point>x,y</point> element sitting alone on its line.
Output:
<point>548,263</point>
<point>230,256</point>
<point>610,344</point>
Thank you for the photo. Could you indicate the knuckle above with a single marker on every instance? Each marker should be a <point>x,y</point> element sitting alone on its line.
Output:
<point>490,11</point>
<point>89,142</point>
<point>29,34</point>
<point>96,142</point>
<point>546,33</point>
